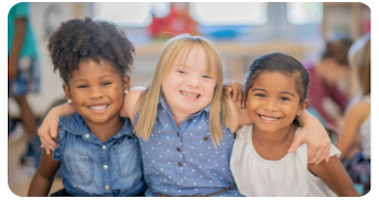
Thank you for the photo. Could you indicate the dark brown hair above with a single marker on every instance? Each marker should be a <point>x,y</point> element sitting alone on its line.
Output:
<point>338,50</point>
<point>282,63</point>
<point>77,40</point>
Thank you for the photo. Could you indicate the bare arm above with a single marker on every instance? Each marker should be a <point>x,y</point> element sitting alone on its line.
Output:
<point>16,47</point>
<point>354,117</point>
<point>315,135</point>
<point>335,177</point>
<point>42,180</point>
<point>49,127</point>
<point>129,107</point>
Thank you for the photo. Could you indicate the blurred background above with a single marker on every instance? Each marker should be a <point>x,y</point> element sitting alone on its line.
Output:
<point>240,31</point>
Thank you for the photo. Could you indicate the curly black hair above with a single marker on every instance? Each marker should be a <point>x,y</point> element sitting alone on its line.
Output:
<point>81,39</point>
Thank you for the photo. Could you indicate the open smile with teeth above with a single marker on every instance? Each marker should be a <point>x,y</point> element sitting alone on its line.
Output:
<point>268,118</point>
<point>192,95</point>
<point>98,107</point>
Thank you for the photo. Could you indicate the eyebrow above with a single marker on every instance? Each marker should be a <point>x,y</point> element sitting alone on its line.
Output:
<point>82,79</point>
<point>283,92</point>
<point>183,66</point>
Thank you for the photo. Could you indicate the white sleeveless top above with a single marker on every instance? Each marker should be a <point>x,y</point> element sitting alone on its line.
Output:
<point>364,131</point>
<point>289,176</point>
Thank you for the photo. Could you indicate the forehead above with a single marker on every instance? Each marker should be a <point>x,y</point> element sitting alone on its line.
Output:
<point>276,81</point>
<point>195,57</point>
<point>91,68</point>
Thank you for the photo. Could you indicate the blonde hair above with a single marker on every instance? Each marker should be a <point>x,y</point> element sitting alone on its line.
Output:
<point>149,99</point>
<point>359,55</point>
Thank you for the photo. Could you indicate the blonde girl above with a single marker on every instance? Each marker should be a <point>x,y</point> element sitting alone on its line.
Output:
<point>357,118</point>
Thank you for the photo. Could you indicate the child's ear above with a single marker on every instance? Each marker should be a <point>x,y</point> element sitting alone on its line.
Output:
<point>302,107</point>
<point>126,82</point>
<point>66,91</point>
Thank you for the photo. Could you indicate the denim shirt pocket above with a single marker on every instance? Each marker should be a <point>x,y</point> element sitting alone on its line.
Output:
<point>127,156</point>
<point>81,169</point>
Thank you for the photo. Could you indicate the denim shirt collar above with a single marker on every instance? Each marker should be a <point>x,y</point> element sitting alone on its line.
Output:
<point>163,103</point>
<point>76,125</point>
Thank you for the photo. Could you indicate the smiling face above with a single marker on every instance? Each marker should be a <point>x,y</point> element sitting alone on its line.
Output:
<point>96,91</point>
<point>273,101</point>
<point>190,83</point>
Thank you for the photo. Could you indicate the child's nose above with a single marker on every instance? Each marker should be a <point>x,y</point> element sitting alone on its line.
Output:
<point>193,81</point>
<point>95,93</point>
<point>270,105</point>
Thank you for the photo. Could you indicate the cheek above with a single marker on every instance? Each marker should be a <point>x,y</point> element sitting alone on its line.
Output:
<point>251,104</point>
<point>210,89</point>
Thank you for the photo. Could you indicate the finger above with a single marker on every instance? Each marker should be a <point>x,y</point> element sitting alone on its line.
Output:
<point>327,156</point>
<point>322,156</point>
<point>53,133</point>
<point>45,149</point>
<point>235,93</point>
<point>240,97</point>
<point>317,156</point>
<point>48,142</point>
<point>44,143</point>
<point>244,100</point>
<point>295,144</point>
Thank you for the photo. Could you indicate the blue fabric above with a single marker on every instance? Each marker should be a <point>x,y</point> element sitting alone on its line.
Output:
<point>28,77</point>
<point>182,161</point>
<point>21,10</point>
<point>83,158</point>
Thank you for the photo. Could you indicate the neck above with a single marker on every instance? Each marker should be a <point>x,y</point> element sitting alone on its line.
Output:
<point>179,117</point>
<point>279,137</point>
<point>106,130</point>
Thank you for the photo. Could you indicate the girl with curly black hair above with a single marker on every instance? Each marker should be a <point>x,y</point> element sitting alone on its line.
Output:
<point>97,152</point>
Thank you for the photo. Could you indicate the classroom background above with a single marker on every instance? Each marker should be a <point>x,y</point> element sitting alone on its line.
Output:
<point>240,31</point>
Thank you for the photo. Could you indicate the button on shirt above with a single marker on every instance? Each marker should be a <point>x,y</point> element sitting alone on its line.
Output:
<point>182,161</point>
<point>92,168</point>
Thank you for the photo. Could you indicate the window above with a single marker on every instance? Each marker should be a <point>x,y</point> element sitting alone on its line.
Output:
<point>302,13</point>
<point>229,14</point>
<point>130,14</point>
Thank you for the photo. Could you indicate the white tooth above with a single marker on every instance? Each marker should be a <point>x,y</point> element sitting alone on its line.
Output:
<point>268,119</point>
<point>98,107</point>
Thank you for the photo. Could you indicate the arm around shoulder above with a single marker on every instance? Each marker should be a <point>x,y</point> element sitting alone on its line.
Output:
<point>129,107</point>
<point>239,116</point>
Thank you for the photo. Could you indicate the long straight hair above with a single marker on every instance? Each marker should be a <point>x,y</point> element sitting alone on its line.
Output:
<point>148,101</point>
<point>360,57</point>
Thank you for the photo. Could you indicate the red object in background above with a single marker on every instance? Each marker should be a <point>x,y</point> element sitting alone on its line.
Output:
<point>367,26</point>
<point>178,21</point>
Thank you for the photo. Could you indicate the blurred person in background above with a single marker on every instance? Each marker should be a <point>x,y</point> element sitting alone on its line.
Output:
<point>325,75</point>
<point>23,72</point>
<point>354,142</point>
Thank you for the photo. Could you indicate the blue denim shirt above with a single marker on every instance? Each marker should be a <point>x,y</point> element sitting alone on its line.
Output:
<point>92,168</point>
<point>182,161</point>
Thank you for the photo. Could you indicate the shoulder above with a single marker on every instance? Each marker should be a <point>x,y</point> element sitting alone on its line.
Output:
<point>129,108</point>
<point>359,111</point>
